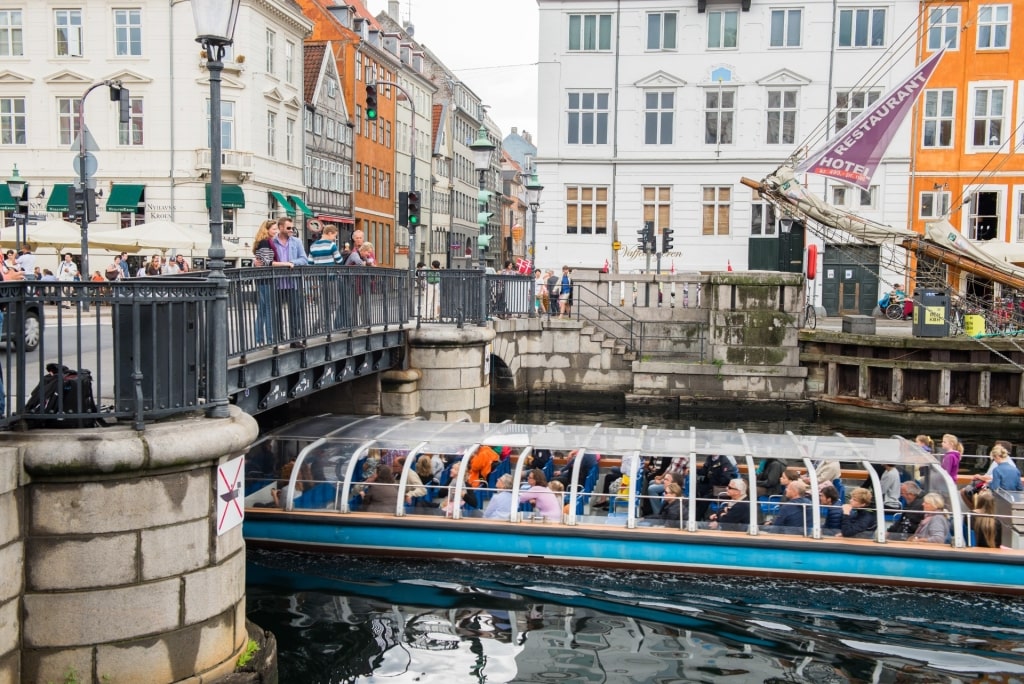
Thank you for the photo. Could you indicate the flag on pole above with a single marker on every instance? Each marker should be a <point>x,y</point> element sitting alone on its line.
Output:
<point>673,269</point>
<point>524,266</point>
<point>728,265</point>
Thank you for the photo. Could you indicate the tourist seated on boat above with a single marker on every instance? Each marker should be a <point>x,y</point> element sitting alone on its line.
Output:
<point>934,527</point>
<point>890,481</point>
<point>469,498</point>
<point>431,483</point>
<point>545,502</point>
<point>910,517</point>
<point>984,526</point>
<point>480,465</point>
<point>500,505</point>
<point>381,492</point>
<point>1002,474</point>
<point>414,487</point>
<point>588,460</point>
<point>670,514</point>
<point>539,458</point>
<point>613,479</point>
<point>831,508</point>
<point>794,513</point>
<point>712,478</point>
<point>652,503</point>
<point>768,477</point>
<point>735,513</point>
<point>302,482</point>
<point>859,520</point>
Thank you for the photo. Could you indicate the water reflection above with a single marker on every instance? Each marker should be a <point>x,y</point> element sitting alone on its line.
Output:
<point>340,619</point>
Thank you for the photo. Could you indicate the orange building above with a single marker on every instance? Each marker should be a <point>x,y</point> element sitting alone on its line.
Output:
<point>968,164</point>
<point>361,59</point>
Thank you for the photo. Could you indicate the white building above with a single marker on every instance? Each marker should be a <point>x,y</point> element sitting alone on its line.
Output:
<point>654,112</point>
<point>157,166</point>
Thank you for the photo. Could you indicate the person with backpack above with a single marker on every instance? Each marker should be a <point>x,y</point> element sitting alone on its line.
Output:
<point>565,293</point>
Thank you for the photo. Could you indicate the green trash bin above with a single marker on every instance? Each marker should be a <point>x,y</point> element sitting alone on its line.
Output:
<point>931,313</point>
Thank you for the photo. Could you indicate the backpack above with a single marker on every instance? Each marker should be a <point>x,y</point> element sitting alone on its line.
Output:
<point>60,391</point>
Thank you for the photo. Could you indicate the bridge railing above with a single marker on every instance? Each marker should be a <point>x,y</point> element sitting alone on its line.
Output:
<point>454,296</point>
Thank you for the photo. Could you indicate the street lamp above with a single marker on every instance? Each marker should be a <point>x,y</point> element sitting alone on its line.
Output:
<point>215,30</point>
<point>533,190</point>
<point>482,148</point>
<point>18,189</point>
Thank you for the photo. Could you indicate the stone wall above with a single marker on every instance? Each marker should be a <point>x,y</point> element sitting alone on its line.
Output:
<point>454,366</point>
<point>125,576</point>
<point>12,555</point>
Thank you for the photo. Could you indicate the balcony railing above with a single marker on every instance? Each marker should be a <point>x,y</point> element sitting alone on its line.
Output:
<point>232,161</point>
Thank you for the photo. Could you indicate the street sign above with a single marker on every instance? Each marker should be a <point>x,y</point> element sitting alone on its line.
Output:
<point>90,142</point>
<point>616,245</point>
<point>90,164</point>
<point>230,478</point>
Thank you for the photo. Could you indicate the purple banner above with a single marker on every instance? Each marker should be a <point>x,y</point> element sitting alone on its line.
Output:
<point>852,155</point>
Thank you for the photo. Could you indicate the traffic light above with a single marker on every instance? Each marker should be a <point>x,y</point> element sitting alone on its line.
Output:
<point>82,202</point>
<point>371,102</point>
<point>646,235</point>
<point>119,94</point>
<point>666,240</point>
<point>483,242</point>
<point>484,218</point>
<point>403,209</point>
<point>413,209</point>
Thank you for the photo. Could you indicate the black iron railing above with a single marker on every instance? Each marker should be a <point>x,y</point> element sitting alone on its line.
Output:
<point>453,296</point>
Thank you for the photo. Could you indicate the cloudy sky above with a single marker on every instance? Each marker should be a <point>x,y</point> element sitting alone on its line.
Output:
<point>491,46</point>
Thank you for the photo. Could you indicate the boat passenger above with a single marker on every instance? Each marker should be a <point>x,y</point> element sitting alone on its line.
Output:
<point>825,471</point>
<point>589,460</point>
<point>712,478</point>
<point>480,465</point>
<point>983,522</point>
<point>1005,474</point>
<point>890,482</point>
<point>735,514</point>
<point>910,518</point>
<point>934,528</point>
<point>676,472</point>
<point>414,487</point>
<point>425,470</point>
<point>500,505</point>
<point>793,514</point>
<point>671,513</point>
<point>768,481</point>
<point>381,493</point>
<point>858,518</point>
<point>544,501</point>
<point>469,499</point>
<point>831,508</point>
<point>952,451</point>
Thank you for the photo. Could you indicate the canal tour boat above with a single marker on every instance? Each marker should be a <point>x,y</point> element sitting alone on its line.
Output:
<point>304,484</point>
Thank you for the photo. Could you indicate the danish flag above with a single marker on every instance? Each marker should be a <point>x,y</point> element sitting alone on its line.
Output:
<point>524,266</point>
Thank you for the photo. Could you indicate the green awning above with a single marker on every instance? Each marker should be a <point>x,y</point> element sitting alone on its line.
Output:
<point>59,198</point>
<point>231,196</point>
<point>125,198</point>
<point>285,204</point>
<point>7,202</point>
<point>300,205</point>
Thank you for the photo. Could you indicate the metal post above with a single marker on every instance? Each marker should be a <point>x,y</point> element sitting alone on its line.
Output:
<point>21,225</point>
<point>217,391</point>
<point>482,207</point>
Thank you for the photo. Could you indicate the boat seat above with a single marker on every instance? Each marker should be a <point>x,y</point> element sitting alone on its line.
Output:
<point>322,495</point>
<point>841,488</point>
<point>621,499</point>
<point>770,504</point>
<point>583,497</point>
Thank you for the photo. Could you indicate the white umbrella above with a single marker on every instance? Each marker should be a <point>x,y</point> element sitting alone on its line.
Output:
<point>56,234</point>
<point>160,236</point>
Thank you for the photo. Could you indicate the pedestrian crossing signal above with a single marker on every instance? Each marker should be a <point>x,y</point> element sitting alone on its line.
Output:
<point>413,208</point>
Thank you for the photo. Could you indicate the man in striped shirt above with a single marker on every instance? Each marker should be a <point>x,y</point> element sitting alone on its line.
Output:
<point>325,251</point>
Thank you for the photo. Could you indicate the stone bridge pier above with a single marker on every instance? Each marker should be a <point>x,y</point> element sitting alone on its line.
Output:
<point>111,566</point>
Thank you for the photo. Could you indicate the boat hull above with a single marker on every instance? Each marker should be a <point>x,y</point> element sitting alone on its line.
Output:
<point>663,549</point>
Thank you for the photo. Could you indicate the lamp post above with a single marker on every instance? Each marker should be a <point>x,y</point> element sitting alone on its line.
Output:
<point>18,188</point>
<point>482,148</point>
<point>215,29</point>
<point>533,190</point>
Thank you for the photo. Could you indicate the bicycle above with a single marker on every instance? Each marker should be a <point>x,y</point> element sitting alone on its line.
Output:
<point>810,319</point>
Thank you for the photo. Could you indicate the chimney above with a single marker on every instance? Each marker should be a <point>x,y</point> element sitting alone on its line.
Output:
<point>393,9</point>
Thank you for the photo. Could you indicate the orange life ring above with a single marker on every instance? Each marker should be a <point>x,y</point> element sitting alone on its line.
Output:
<point>812,261</point>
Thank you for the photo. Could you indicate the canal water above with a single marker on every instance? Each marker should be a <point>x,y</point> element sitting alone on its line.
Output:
<point>355,619</point>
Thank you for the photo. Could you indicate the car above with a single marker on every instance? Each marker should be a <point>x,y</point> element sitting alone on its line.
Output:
<point>28,333</point>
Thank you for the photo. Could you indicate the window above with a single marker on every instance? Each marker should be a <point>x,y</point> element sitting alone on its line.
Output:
<point>866,198</point>
<point>128,32</point>
<point>330,129</point>
<point>762,217</point>
<point>11,44</point>
<point>289,139</point>
<point>658,117</point>
<point>862,27</point>
<point>934,204</point>
<point>67,119</point>
<point>307,120</point>
<point>227,124</point>
<point>131,133</point>
<point>289,61</point>
<point>358,120</point>
<point>983,221</point>
<point>69,32</point>
<point>230,215</point>
<point>722,28</point>
<point>590,32</point>
<point>271,134</point>
<point>318,124</point>
<point>847,195</point>
<point>850,103</point>
<point>943,28</point>
<point>271,40</point>
<point>938,118</point>
<point>715,204</point>
<point>359,64</point>
<point>993,27</point>
<point>661,31</point>
<point>588,118</point>
<point>387,135</point>
<point>657,207</point>
<point>719,109</point>
<point>12,121</point>
<point>128,219</point>
<point>987,117</point>
<point>332,88</point>
<point>586,210</point>
<point>785,29</point>
<point>1020,217</point>
<point>358,175</point>
<point>781,117</point>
